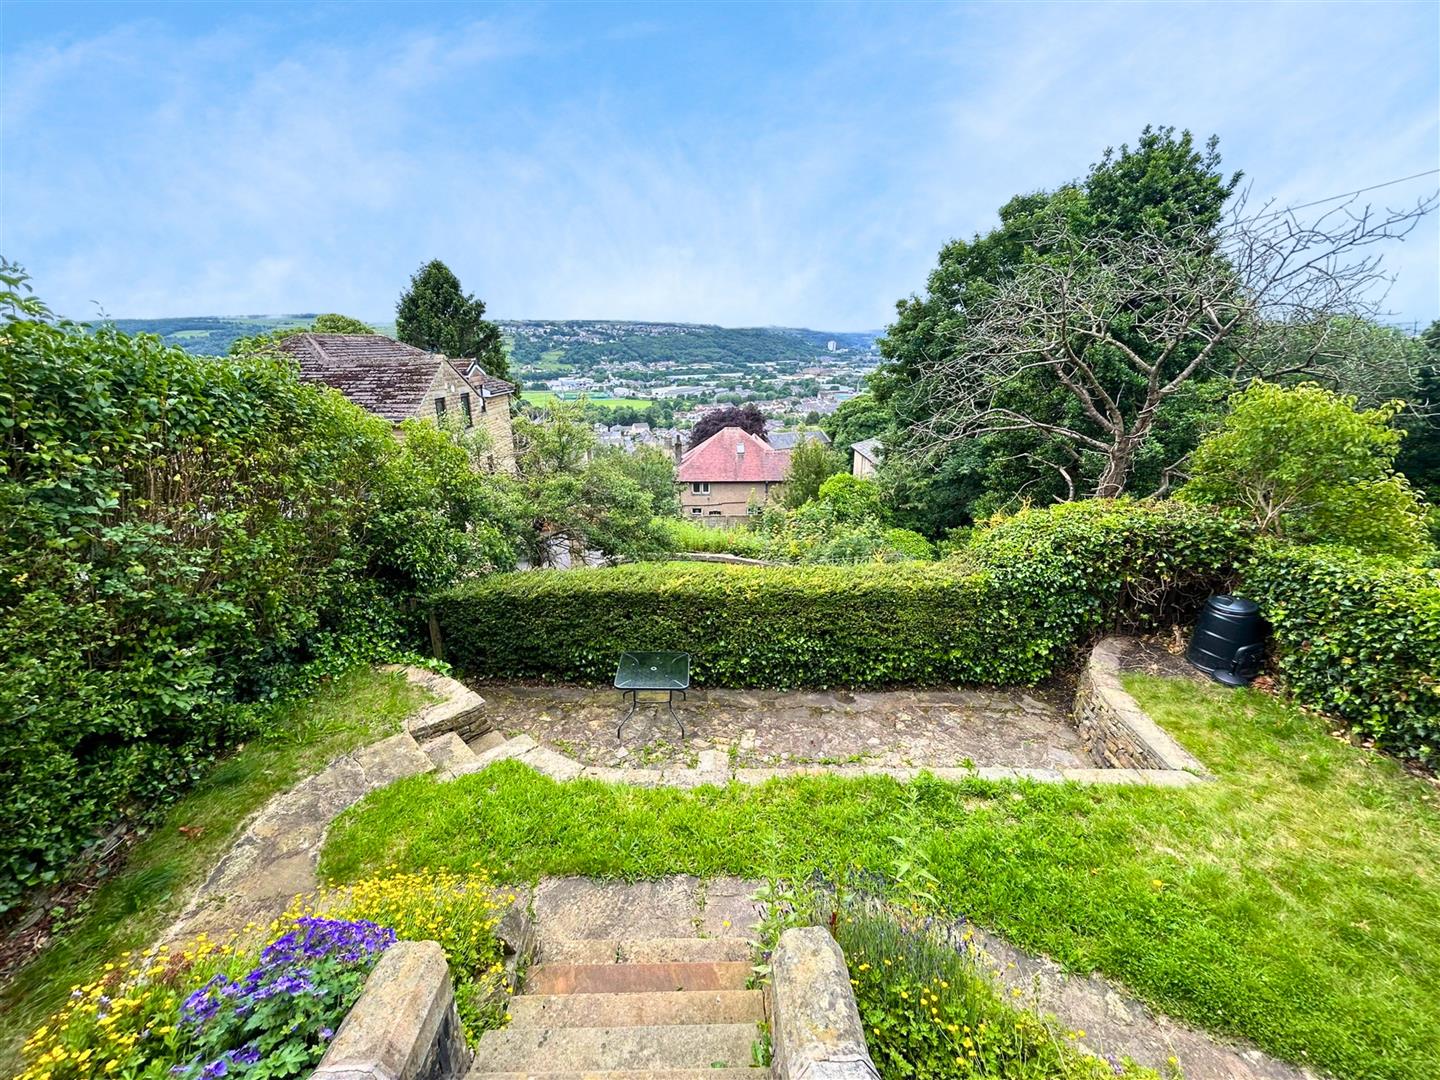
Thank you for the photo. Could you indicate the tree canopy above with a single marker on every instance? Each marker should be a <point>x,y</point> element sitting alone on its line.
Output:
<point>747,417</point>
<point>435,314</point>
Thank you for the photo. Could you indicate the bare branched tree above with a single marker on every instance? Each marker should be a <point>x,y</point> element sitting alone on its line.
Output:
<point>1120,324</point>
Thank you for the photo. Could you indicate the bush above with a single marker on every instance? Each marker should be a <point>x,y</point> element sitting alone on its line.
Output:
<point>189,540</point>
<point>1305,464</point>
<point>682,535</point>
<point>1016,604</point>
<point>1356,637</point>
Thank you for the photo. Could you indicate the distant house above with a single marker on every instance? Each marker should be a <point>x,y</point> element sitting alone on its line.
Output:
<point>865,458</point>
<point>400,382</point>
<point>727,474</point>
<point>789,440</point>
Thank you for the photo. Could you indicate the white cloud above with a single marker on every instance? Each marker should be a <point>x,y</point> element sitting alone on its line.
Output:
<point>243,171</point>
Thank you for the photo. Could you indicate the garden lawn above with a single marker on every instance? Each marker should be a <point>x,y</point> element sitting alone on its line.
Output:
<point>130,909</point>
<point>1293,901</point>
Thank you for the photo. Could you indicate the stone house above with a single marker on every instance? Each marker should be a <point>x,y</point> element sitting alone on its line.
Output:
<point>727,474</point>
<point>400,382</point>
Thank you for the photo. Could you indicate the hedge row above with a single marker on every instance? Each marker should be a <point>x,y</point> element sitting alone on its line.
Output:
<point>1009,609</point>
<point>1356,637</point>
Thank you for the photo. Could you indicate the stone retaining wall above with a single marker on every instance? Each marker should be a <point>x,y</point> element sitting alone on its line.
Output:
<point>1117,732</point>
<point>815,1024</point>
<point>404,1026</point>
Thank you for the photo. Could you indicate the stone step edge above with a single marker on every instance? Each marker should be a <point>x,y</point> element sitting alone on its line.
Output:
<point>557,766</point>
<point>535,1050</point>
<point>703,972</point>
<point>728,1073</point>
<point>653,950</point>
<point>646,1008</point>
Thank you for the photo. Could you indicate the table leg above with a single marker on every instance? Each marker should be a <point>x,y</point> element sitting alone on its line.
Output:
<point>673,715</point>
<point>634,704</point>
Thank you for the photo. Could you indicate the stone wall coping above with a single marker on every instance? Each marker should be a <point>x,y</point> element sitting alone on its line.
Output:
<point>1102,699</point>
<point>815,1024</point>
<point>404,1025</point>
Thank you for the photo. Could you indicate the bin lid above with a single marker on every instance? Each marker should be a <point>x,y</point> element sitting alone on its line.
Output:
<point>1233,605</point>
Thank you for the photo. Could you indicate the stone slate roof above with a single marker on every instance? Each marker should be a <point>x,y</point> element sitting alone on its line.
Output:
<point>384,376</point>
<point>719,460</point>
<point>869,449</point>
<point>788,440</point>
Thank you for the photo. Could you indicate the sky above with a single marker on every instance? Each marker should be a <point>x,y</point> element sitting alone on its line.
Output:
<point>741,164</point>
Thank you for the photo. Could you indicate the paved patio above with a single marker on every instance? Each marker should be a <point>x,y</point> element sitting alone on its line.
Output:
<point>769,729</point>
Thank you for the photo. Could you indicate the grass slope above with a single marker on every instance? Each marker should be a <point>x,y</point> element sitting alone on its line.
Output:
<point>130,909</point>
<point>1293,901</point>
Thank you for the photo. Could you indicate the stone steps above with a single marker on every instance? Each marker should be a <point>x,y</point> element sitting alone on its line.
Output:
<point>635,981</point>
<point>639,1009</point>
<point>637,978</point>
<point>616,1049</point>
<point>656,950</point>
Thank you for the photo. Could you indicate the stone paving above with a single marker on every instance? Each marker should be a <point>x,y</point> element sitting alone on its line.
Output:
<point>770,729</point>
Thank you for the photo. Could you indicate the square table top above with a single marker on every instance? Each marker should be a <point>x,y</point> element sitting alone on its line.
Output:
<point>653,671</point>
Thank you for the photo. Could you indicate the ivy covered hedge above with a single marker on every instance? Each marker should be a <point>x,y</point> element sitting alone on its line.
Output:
<point>1356,637</point>
<point>1008,609</point>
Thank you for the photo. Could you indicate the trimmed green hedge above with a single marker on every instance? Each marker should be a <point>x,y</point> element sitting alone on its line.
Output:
<point>1358,638</point>
<point>1008,609</point>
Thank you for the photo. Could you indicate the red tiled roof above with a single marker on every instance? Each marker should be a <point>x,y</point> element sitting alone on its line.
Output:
<point>718,460</point>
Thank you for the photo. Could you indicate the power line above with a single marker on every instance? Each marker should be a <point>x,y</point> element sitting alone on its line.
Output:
<point>1345,195</point>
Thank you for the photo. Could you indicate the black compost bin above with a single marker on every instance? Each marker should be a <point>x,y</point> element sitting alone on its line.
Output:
<point>1228,643</point>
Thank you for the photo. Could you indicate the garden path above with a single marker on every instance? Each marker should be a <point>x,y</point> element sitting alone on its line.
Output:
<point>769,729</point>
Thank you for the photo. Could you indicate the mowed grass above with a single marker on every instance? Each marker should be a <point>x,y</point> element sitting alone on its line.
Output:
<point>130,909</point>
<point>545,397</point>
<point>1294,901</point>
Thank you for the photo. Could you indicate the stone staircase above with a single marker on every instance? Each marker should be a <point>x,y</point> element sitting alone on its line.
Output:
<point>644,980</point>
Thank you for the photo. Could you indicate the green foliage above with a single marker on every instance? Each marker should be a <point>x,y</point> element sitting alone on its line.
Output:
<point>188,540</point>
<point>909,543</point>
<point>850,498</point>
<point>1015,605</point>
<point>1304,463</point>
<point>1356,637</point>
<point>931,1012</point>
<point>434,314</point>
<point>579,500</point>
<point>339,324</point>
<point>1420,453</point>
<point>811,464</point>
<point>860,418</point>
<point>683,535</point>
<point>1164,183</point>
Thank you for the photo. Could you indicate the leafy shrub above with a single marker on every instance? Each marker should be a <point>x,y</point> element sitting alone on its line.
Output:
<point>909,543</point>
<point>851,498</point>
<point>1357,637</point>
<point>188,540</point>
<point>811,464</point>
<point>1304,463</point>
<point>1022,596</point>
<point>682,535</point>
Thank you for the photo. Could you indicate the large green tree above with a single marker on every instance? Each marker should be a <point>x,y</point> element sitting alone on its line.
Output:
<point>435,314</point>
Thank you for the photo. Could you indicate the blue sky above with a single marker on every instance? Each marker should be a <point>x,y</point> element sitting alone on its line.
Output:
<point>739,164</point>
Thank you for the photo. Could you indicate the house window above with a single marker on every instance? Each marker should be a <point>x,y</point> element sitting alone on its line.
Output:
<point>700,489</point>
<point>440,410</point>
<point>695,510</point>
<point>714,513</point>
<point>465,408</point>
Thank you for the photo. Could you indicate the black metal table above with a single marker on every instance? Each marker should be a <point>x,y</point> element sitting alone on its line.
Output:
<point>642,672</point>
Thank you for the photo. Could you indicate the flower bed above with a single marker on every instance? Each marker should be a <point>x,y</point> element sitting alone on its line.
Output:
<point>214,1010</point>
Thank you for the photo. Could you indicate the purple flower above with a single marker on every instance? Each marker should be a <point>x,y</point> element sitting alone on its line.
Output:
<point>216,1069</point>
<point>248,1054</point>
<point>326,1033</point>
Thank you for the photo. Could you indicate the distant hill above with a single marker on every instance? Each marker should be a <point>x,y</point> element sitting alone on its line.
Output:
<point>569,345</point>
